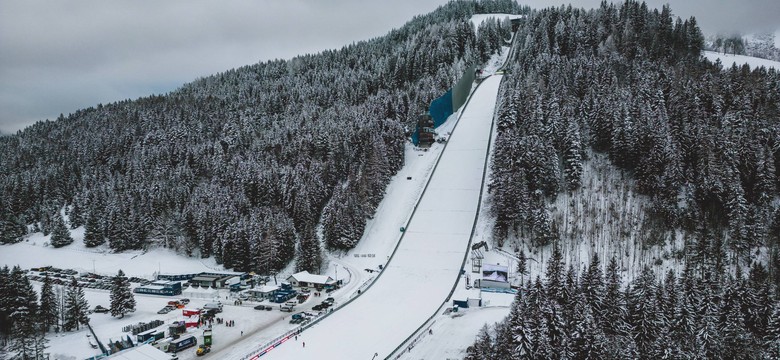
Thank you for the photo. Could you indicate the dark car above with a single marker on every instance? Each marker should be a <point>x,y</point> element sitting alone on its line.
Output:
<point>99,309</point>
<point>317,307</point>
<point>260,307</point>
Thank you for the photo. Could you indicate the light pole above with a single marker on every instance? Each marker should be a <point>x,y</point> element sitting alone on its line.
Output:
<point>336,267</point>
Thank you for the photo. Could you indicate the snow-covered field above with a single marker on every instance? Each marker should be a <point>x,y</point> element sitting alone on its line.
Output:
<point>727,60</point>
<point>33,253</point>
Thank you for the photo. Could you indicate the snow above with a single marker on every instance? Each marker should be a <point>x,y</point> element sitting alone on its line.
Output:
<point>451,335</point>
<point>33,253</point>
<point>753,62</point>
<point>426,262</point>
<point>145,352</point>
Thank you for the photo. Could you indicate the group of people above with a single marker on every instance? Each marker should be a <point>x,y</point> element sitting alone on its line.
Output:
<point>238,302</point>
<point>228,323</point>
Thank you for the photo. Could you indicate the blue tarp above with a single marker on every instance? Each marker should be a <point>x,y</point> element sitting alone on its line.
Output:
<point>441,108</point>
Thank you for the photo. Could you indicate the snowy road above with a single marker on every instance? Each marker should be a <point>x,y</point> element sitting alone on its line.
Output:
<point>426,264</point>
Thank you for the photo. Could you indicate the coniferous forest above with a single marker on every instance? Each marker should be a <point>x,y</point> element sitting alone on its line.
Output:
<point>245,164</point>
<point>698,140</point>
<point>260,165</point>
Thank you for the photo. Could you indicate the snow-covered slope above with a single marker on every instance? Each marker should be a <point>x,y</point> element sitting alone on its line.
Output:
<point>428,259</point>
<point>728,60</point>
<point>34,252</point>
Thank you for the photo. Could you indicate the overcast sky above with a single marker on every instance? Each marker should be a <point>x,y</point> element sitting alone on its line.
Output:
<point>60,56</point>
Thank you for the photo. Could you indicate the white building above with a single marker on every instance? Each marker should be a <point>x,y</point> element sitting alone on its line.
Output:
<point>305,279</point>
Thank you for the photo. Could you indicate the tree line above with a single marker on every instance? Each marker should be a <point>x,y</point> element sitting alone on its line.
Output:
<point>247,164</point>
<point>592,313</point>
<point>699,140</point>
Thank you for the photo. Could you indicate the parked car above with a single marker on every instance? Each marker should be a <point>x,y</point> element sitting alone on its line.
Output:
<point>164,310</point>
<point>317,307</point>
<point>287,308</point>
<point>99,309</point>
<point>329,300</point>
<point>184,301</point>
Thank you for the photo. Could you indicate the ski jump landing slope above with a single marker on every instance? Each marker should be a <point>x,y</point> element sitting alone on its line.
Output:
<point>429,256</point>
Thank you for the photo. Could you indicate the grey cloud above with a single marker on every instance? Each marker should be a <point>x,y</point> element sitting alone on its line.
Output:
<point>59,56</point>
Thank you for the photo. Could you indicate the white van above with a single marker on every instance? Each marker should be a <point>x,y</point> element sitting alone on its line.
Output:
<point>213,306</point>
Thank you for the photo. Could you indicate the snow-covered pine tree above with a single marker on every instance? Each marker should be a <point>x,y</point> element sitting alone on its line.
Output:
<point>93,233</point>
<point>60,235</point>
<point>614,312</point>
<point>6,294</point>
<point>76,309</point>
<point>482,348</point>
<point>309,256</point>
<point>643,314</point>
<point>23,316</point>
<point>11,230</point>
<point>48,311</point>
<point>122,299</point>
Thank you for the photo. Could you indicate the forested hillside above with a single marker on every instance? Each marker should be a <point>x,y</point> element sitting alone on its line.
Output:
<point>243,165</point>
<point>698,143</point>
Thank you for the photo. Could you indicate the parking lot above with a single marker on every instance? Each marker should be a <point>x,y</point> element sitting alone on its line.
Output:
<point>86,280</point>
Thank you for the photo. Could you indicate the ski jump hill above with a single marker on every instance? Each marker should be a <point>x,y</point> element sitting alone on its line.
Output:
<point>428,259</point>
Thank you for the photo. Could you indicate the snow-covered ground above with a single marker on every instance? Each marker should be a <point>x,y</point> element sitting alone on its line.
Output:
<point>33,253</point>
<point>428,259</point>
<point>727,60</point>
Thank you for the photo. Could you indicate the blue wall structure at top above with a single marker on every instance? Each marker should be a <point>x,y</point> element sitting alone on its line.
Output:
<point>441,108</point>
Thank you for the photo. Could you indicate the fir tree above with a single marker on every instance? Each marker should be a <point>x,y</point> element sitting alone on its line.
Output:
<point>23,316</point>
<point>93,234</point>
<point>122,299</point>
<point>60,235</point>
<point>482,348</point>
<point>76,308</point>
<point>6,296</point>
<point>49,312</point>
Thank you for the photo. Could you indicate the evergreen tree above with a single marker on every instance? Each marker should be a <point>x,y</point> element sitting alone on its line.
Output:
<point>482,348</point>
<point>60,235</point>
<point>522,265</point>
<point>93,234</point>
<point>309,256</point>
<point>49,312</point>
<point>6,298</point>
<point>23,316</point>
<point>11,229</point>
<point>122,299</point>
<point>614,312</point>
<point>76,308</point>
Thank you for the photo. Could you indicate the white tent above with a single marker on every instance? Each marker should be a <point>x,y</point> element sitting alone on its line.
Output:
<point>143,352</point>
